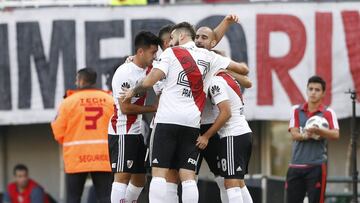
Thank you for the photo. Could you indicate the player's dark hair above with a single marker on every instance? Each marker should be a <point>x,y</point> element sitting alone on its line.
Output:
<point>317,79</point>
<point>88,75</point>
<point>163,31</point>
<point>20,167</point>
<point>187,27</point>
<point>145,39</point>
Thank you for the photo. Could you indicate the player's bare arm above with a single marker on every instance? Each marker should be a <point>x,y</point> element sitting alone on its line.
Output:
<point>127,107</point>
<point>239,68</point>
<point>223,117</point>
<point>332,134</point>
<point>154,76</point>
<point>243,80</point>
<point>297,136</point>
<point>221,29</point>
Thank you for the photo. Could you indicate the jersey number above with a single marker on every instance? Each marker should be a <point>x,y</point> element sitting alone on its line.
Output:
<point>93,118</point>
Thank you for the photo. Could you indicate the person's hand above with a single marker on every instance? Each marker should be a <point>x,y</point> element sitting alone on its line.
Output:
<point>313,133</point>
<point>232,18</point>
<point>202,142</point>
<point>304,136</point>
<point>126,94</point>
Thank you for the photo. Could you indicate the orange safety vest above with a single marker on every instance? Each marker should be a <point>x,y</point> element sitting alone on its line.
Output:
<point>81,127</point>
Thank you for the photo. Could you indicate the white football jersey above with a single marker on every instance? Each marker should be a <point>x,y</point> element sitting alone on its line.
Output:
<point>125,77</point>
<point>208,115</point>
<point>177,103</point>
<point>226,88</point>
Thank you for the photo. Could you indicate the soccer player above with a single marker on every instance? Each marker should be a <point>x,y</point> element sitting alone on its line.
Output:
<point>127,147</point>
<point>235,136</point>
<point>206,38</point>
<point>186,69</point>
<point>172,178</point>
<point>80,127</point>
<point>307,170</point>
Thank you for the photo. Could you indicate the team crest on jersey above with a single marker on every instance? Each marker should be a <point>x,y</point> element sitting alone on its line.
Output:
<point>215,90</point>
<point>129,163</point>
<point>125,85</point>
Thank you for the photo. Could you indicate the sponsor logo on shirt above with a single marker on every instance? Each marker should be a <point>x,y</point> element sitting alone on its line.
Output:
<point>215,90</point>
<point>125,85</point>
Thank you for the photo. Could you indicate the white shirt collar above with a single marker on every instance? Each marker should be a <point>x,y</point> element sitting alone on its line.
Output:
<point>190,44</point>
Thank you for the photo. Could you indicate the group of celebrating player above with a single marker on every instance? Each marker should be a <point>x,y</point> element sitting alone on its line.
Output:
<point>199,114</point>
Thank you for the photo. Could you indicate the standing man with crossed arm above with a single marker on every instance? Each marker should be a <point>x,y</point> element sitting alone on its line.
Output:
<point>307,170</point>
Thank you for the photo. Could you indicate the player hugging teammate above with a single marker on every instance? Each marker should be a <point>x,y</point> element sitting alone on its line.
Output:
<point>190,77</point>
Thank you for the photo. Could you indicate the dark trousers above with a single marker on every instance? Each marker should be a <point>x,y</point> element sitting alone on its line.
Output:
<point>75,185</point>
<point>308,180</point>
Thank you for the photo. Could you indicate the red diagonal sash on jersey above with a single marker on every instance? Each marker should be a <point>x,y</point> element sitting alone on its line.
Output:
<point>193,74</point>
<point>231,82</point>
<point>148,69</point>
<point>131,118</point>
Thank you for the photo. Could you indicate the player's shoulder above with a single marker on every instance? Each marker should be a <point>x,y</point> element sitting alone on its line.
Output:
<point>295,107</point>
<point>168,51</point>
<point>216,79</point>
<point>216,84</point>
<point>330,110</point>
<point>123,69</point>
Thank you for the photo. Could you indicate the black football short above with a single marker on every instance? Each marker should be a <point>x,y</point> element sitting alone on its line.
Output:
<point>127,153</point>
<point>234,154</point>
<point>210,153</point>
<point>174,146</point>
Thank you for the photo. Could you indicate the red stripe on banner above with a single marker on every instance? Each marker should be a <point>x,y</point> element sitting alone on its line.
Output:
<point>351,21</point>
<point>114,118</point>
<point>323,50</point>
<point>323,183</point>
<point>193,74</point>
<point>131,118</point>
<point>232,83</point>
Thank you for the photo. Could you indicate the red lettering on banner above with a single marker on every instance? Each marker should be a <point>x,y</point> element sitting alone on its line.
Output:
<point>351,20</point>
<point>294,28</point>
<point>324,33</point>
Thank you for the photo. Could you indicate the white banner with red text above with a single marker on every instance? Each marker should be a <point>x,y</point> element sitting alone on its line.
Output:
<point>283,43</point>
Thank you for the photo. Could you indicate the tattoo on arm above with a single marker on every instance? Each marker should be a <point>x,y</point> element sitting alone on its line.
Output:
<point>139,89</point>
